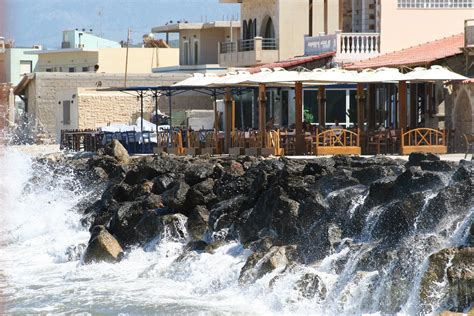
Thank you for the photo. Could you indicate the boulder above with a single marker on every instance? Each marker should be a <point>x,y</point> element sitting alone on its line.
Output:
<point>197,173</point>
<point>75,252</point>
<point>416,158</point>
<point>140,173</point>
<point>102,247</point>
<point>437,165</point>
<point>259,264</point>
<point>373,173</point>
<point>162,183</point>
<point>124,221</point>
<point>202,194</point>
<point>116,150</point>
<point>175,197</point>
<point>153,224</point>
<point>456,265</point>
<point>226,213</point>
<point>196,245</point>
<point>198,222</point>
<point>310,285</point>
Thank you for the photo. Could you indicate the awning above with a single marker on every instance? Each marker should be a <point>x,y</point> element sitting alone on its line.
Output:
<point>381,75</point>
<point>435,73</point>
<point>197,80</point>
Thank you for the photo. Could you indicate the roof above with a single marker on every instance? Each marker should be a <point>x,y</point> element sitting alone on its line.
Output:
<point>471,81</point>
<point>421,55</point>
<point>294,62</point>
<point>176,27</point>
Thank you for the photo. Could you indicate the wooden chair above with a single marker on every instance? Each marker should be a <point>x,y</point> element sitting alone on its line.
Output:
<point>377,140</point>
<point>193,144</point>
<point>237,144</point>
<point>254,144</point>
<point>288,142</point>
<point>272,144</point>
<point>211,143</point>
<point>423,140</point>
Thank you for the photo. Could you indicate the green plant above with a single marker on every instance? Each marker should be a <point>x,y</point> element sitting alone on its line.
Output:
<point>308,116</point>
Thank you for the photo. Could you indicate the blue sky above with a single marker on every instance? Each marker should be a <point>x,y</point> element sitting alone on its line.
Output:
<point>42,21</point>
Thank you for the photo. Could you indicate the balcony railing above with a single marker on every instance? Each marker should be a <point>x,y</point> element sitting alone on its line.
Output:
<point>348,46</point>
<point>248,52</point>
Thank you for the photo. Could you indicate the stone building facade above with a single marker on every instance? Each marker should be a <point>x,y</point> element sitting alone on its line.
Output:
<point>460,111</point>
<point>45,94</point>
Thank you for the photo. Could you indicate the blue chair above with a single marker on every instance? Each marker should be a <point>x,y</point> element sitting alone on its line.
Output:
<point>132,142</point>
<point>147,147</point>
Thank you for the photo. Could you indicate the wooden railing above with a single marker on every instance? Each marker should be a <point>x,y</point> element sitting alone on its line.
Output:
<point>337,141</point>
<point>423,140</point>
<point>81,139</point>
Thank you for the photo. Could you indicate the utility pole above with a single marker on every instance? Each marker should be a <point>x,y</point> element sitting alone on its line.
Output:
<point>126,57</point>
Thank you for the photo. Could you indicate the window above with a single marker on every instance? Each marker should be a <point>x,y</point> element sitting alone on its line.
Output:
<point>26,67</point>
<point>72,69</point>
<point>85,69</point>
<point>196,52</point>
<point>49,69</point>
<point>435,4</point>
<point>186,53</point>
<point>66,112</point>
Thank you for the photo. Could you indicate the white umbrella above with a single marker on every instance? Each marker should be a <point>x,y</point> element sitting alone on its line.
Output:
<point>284,76</point>
<point>197,80</point>
<point>334,75</point>
<point>381,75</point>
<point>435,73</point>
<point>231,79</point>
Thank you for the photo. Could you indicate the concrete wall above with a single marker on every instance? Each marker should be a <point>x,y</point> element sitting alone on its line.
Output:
<point>87,40</point>
<point>293,22</point>
<point>4,105</point>
<point>140,60</point>
<point>402,28</point>
<point>61,61</point>
<point>13,58</point>
<point>110,60</point>
<point>332,16</point>
<point>46,90</point>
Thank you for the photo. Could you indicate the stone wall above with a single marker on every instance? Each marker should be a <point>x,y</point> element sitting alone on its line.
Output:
<point>460,112</point>
<point>4,97</point>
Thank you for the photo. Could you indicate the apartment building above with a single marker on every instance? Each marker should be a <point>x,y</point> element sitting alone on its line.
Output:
<point>198,44</point>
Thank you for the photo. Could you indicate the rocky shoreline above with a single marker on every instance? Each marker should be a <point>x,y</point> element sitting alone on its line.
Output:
<point>290,213</point>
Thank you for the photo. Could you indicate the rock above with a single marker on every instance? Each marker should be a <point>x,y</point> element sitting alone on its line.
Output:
<point>102,247</point>
<point>198,172</point>
<point>116,150</point>
<point>226,213</point>
<point>437,165</point>
<point>140,173</point>
<point>171,227</point>
<point>320,167</point>
<point>75,252</point>
<point>196,245</point>
<point>259,264</point>
<point>124,221</point>
<point>274,211</point>
<point>175,197</point>
<point>202,194</point>
<point>372,173</point>
<point>162,183</point>
<point>457,267</point>
<point>311,285</point>
<point>198,222</point>
<point>416,158</point>
<point>463,173</point>
<point>416,180</point>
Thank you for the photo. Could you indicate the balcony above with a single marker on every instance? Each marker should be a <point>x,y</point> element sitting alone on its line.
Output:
<point>349,47</point>
<point>246,53</point>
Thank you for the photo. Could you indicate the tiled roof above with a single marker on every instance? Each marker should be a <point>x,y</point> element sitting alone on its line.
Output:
<point>294,62</point>
<point>420,55</point>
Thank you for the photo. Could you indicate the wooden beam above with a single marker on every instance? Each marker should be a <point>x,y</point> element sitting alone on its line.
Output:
<point>228,119</point>
<point>389,105</point>
<point>322,106</point>
<point>413,105</point>
<point>360,106</point>
<point>300,145</point>
<point>402,90</point>
<point>233,115</point>
<point>371,108</point>
<point>262,106</point>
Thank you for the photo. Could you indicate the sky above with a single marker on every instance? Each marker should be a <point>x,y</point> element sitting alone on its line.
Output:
<point>33,22</point>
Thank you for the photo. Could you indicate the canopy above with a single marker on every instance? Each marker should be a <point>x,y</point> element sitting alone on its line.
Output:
<point>435,73</point>
<point>197,80</point>
<point>334,75</point>
<point>381,75</point>
<point>232,78</point>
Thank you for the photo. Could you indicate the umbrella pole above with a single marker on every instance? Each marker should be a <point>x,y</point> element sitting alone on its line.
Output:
<point>360,106</point>
<point>141,112</point>
<point>228,118</point>
<point>171,125</point>
<point>403,105</point>
<point>262,102</point>
<point>322,106</point>
<point>156,111</point>
<point>216,119</point>
<point>300,143</point>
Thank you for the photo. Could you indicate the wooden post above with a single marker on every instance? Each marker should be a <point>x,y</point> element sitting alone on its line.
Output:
<point>413,104</point>
<point>322,106</point>
<point>389,105</point>
<point>300,144</point>
<point>228,119</point>
<point>216,116</point>
<point>360,106</point>
<point>233,115</point>
<point>371,108</point>
<point>402,90</point>
<point>262,105</point>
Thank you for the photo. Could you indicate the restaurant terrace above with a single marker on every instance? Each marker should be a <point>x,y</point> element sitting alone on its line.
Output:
<point>385,123</point>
